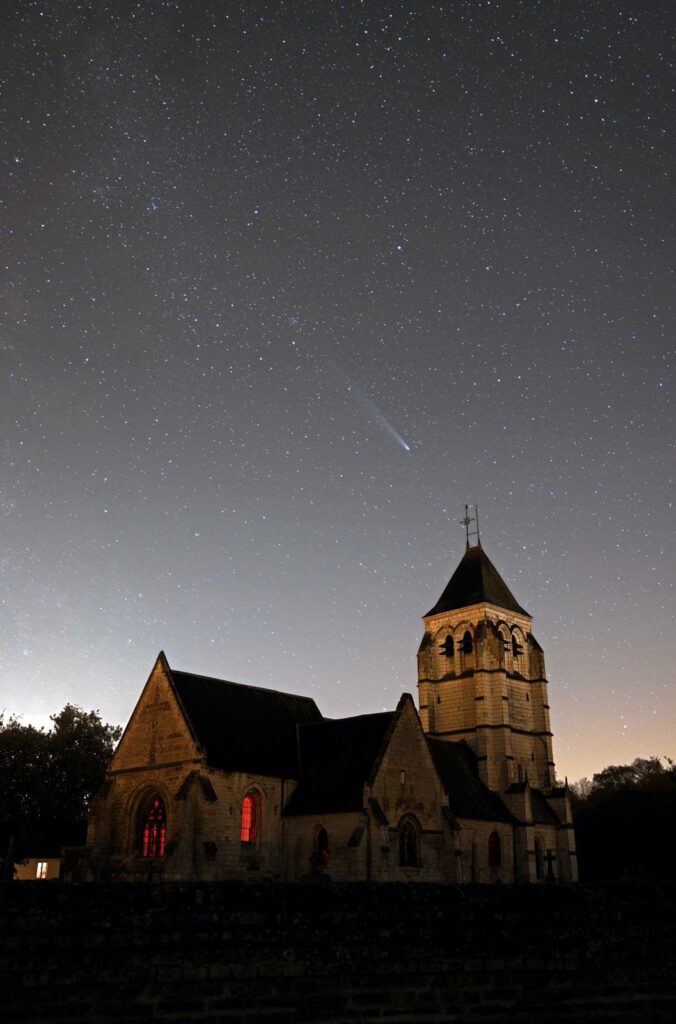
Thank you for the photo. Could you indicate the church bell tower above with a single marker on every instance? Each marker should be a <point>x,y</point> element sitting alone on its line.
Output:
<point>481,676</point>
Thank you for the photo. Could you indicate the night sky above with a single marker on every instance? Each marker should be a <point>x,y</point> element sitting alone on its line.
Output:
<point>284,285</point>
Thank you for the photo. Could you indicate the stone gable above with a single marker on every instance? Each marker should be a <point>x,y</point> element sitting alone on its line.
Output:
<point>158,732</point>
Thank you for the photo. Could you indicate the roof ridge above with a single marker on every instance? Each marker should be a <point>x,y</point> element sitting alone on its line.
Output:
<point>349,718</point>
<point>246,686</point>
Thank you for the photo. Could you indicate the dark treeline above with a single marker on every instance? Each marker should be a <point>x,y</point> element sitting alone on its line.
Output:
<point>625,822</point>
<point>47,779</point>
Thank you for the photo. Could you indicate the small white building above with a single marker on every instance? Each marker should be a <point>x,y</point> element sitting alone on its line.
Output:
<point>38,869</point>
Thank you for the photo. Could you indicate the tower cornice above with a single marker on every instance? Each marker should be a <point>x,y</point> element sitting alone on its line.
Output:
<point>476,612</point>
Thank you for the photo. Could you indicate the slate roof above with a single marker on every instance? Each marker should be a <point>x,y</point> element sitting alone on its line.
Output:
<point>468,797</point>
<point>244,728</point>
<point>542,812</point>
<point>475,581</point>
<point>336,759</point>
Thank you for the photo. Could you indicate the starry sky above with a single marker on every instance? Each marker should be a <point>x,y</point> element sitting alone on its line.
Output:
<point>285,285</point>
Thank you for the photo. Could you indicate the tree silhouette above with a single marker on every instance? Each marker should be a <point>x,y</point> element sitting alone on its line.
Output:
<point>625,821</point>
<point>47,780</point>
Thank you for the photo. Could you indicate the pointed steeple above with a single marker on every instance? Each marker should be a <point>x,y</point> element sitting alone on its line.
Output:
<point>476,581</point>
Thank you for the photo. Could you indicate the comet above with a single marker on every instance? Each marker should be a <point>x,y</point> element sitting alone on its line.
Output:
<point>378,416</point>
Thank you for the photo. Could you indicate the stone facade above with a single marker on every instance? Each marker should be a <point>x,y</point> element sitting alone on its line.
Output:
<point>489,696</point>
<point>216,781</point>
<point>159,755</point>
<point>364,843</point>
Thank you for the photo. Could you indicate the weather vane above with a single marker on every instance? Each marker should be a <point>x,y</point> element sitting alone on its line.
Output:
<point>466,523</point>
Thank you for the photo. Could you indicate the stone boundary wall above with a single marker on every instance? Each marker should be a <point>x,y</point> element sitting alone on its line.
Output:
<point>220,953</point>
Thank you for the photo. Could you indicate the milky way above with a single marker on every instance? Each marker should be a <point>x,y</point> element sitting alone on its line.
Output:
<point>466,207</point>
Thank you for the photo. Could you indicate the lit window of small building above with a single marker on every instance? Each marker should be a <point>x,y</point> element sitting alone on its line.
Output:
<point>44,869</point>
<point>154,836</point>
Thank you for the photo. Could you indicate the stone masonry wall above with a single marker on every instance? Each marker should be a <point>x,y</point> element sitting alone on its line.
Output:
<point>229,952</point>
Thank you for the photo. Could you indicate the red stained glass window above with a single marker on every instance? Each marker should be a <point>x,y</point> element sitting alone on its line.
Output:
<point>155,830</point>
<point>248,829</point>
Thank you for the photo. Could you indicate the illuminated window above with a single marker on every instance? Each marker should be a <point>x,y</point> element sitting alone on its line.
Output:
<point>494,850</point>
<point>154,830</point>
<point>322,848</point>
<point>250,818</point>
<point>41,871</point>
<point>409,856</point>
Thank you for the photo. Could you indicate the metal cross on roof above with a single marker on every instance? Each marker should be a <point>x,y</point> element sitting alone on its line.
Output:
<point>466,523</point>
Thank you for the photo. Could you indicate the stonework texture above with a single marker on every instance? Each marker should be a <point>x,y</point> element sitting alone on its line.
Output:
<point>229,952</point>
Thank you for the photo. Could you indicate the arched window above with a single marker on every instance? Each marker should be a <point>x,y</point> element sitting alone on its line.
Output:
<point>154,830</point>
<point>495,850</point>
<point>467,646</point>
<point>539,860</point>
<point>251,816</point>
<point>448,646</point>
<point>321,848</point>
<point>517,649</point>
<point>409,855</point>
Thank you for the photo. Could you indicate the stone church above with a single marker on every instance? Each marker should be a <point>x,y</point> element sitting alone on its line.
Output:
<point>218,780</point>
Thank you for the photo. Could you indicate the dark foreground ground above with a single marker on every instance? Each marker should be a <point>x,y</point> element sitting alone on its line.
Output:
<point>222,953</point>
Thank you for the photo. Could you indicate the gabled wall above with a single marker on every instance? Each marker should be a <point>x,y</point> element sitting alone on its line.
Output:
<point>158,754</point>
<point>406,786</point>
<point>157,732</point>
